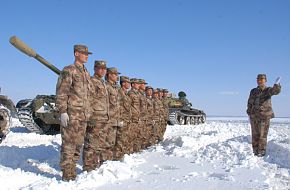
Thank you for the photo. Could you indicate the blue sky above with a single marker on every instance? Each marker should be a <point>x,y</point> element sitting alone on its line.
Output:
<point>210,49</point>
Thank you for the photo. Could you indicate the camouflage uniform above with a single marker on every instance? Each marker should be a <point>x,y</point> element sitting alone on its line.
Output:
<point>165,101</point>
<point>143,127</point>
<point>123,145</point>
<point>4,122</point>
<point>114,113</point>
<point>160,130</point>
<point>260,112</point>
<point>157,117</point>
<point>135,109</point>
<point>150,121</point>
<point>96,134</point>
<point>72,97</point>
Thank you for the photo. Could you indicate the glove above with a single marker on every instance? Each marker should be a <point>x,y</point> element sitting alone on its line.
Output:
<point>121,124</point>
<point>278,80</point>
<point>64,119</point>
<point>153,122</point>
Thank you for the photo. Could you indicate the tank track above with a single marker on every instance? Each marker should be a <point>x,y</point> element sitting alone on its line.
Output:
<point>26,118</point>
<point>175,118</point>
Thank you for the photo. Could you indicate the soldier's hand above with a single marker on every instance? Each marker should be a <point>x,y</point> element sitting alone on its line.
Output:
<point>64,119</point>
<point>121,124</point>
<point>278,80</point>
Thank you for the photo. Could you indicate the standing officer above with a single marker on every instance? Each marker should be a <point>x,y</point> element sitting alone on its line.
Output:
<point>95,142</point>
<point>135,108</point>
<point>260,112</point>
<point>150,116</point>
<point>143,115</point>
<point>157,115</point>
<point>123,131</point>
<point>72,101</point>
<point>112,78</point>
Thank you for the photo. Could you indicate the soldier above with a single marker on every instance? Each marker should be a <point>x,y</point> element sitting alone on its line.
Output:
<point>135,109</point>
<point>4,122</point>
<point>95,142</point>
<point>143,127</point>
<point>123,132</point>
<point>166,110</point>
<point>157,115</point>
<point>112,78</point>
<point>260,112</point>
<point>182,97</point>
<point>162,115</point>
<point>150,116</point>
<point>72,101</point>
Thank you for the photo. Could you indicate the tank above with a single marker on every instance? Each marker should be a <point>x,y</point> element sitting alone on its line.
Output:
<point>38,115</point>
<point>181,112</point>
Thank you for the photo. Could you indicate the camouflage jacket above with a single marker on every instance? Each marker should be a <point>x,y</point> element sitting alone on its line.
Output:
<point>157,110</point>
<point>165,102</point>
<point>73,92</point>
<point>114,110</point>
<point>162,110</point>
<point>125,106</point>
<point>259,103</point>
<point>143,107</point>
<point>4,120</point>
<point>100,100</point>
<point>150,110</point>
<point>135,105</point>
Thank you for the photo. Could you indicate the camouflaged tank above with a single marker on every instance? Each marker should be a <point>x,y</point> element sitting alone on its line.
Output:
<point>38,115</point>
<point>181,112</point>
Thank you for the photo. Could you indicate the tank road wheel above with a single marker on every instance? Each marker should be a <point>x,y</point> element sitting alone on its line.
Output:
<point>203,119</point>
<point>181,120</point>
<point>187,120</point>
<point>192,121</point>
<point>195,120</point>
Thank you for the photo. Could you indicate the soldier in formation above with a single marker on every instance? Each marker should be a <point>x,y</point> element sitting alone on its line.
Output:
<point>4,122</point>
<point>260,112</point>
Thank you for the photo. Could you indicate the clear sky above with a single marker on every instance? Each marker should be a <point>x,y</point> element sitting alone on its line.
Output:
<point>211,49</point>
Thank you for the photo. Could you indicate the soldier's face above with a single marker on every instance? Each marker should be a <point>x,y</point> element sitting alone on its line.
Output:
<point>156,94</point>
<point>127,85</point>
<point>81,57</point>
<point>101,72</point>
<point>149,92</point>
<point>113,77</point>
<point>142,87</point>
<point>135,86</point>
<point>165,94</point>
<point>261,82</point>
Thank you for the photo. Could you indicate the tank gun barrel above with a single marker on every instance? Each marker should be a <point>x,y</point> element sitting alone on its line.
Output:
<point>21,46</point>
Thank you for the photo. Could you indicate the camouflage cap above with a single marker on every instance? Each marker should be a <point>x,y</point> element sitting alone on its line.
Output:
<point>148,87</point>
<point>134,80</point>
<point>124,79</point>
<point>262,76</point>
<point>113,70</point>
<point>155,90</point>
<point>159,89</point>
<point>142,81</point>
<point>100,64</point>
<point>82,49</point>
<point>165,90</point>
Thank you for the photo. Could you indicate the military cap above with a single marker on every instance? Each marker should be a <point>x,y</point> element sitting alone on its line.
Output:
<point>262,76</point>
<point>113,70</point>
<point>165,90</point>
<point>82,49</point>
<point>159,89</point>
<point>148,87</point>
<point>134,80</point>
<point>155,90</point>
<point>124,79</point>
<point>100,64</point>
<point>142,81</point>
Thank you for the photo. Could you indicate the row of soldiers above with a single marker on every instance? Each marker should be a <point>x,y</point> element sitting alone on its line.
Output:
<point>106,119</point>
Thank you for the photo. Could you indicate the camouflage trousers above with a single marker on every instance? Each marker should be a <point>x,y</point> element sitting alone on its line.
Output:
<point>4,123</point>
<point>259,128</point>
<point>155,132</point>
<point>134,138</point>
<point>123,144</point>
<point>163,129</point>
<point>99,143</point>
<point>72,142</point>
<point>143,135</point>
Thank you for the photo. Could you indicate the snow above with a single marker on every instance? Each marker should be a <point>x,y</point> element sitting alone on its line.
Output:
<point>215,155</point>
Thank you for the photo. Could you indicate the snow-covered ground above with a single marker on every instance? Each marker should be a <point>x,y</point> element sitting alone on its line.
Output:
<point>215,155</point>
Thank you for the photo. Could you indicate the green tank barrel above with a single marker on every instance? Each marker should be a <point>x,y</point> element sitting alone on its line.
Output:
<point>21,46</point>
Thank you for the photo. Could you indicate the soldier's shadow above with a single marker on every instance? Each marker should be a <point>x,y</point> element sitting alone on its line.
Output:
<point>43,160</point>
<point>277,154</point>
